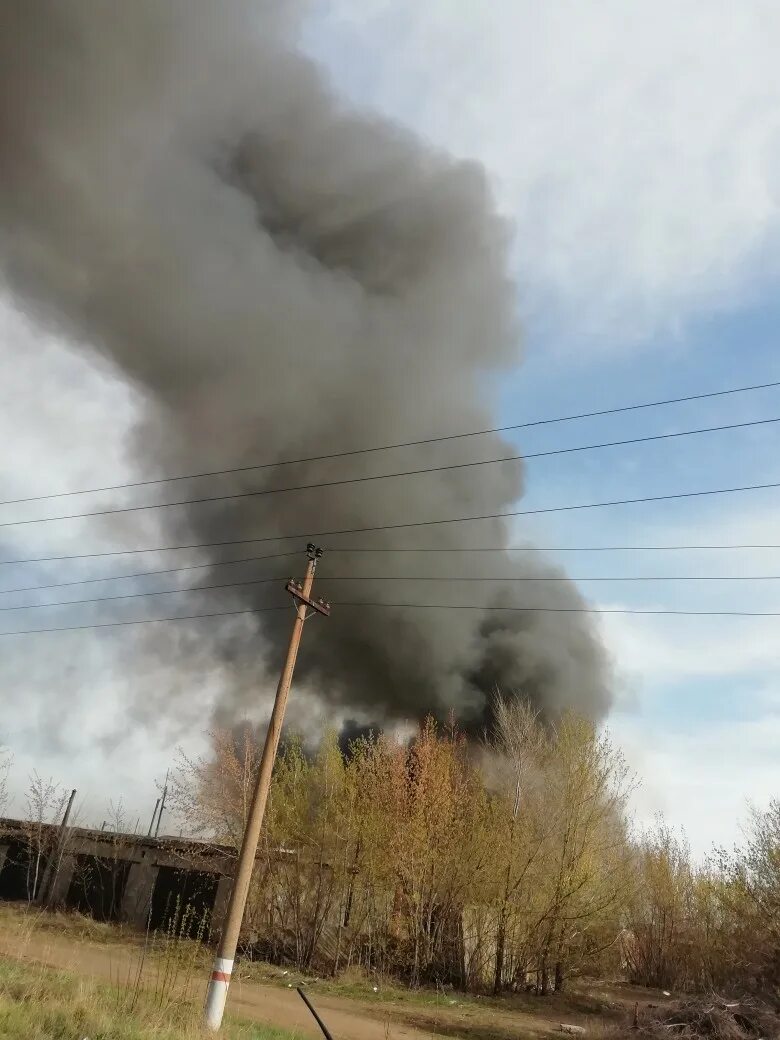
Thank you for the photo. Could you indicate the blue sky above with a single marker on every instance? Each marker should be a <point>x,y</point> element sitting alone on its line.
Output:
<point>640,169</point>
<point>641,172</point>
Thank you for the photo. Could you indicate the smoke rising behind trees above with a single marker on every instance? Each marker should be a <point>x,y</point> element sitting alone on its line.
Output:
<point>183,197</point>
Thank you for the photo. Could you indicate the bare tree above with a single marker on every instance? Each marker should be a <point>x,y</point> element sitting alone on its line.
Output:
<point>521,743</point>
<point>754,899</point>
<point>116,820</point>
<point>6,761</point>
<point>45,801</point>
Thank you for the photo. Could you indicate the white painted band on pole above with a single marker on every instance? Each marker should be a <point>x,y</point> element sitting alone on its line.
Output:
<point>222,966</point>
<point>216,995</point>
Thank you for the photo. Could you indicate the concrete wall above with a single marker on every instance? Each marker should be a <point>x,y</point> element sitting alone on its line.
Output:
<point>60,883</point>
<point>138,894</point>
<point>144,856</point>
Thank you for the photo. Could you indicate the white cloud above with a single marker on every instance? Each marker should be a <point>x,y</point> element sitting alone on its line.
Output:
<point>670,648</point>
<point>698,768</point>
<point>636,145</point>
<point>48,391</point>
<point>64,423</point>
<point>702,782</point>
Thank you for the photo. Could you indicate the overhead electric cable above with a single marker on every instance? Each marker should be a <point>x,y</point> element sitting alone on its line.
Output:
<point>146,574</point>
<point>144,595</point>
<point>507,515</point>
<point>402,444</point>
<point>273,556</point>
<point>399,606</point>
<point>348,549</point>
<point>390,577</point>
<point>262,492</point>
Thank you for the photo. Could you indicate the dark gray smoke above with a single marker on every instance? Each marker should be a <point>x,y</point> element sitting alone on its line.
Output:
<point>182,193</point>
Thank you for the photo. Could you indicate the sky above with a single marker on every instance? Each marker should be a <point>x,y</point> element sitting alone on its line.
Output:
<point>636,149</point>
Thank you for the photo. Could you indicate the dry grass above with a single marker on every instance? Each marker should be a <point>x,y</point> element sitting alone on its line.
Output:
<point>18,917</point>
<point>39,1003</point>
<point>372,989</point>
<point>158,973</point>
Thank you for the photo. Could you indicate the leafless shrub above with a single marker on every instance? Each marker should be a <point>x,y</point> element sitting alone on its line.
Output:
<point>710,1016</point>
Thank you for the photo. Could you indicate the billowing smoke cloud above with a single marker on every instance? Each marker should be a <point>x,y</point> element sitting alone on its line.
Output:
<point>183,195</point>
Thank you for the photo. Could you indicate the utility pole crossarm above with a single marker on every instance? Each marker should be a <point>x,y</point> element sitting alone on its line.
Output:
<point>296,589</point>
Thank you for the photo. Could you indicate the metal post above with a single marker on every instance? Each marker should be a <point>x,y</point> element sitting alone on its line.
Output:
<point>323,1028</point>
<point>216,994</point>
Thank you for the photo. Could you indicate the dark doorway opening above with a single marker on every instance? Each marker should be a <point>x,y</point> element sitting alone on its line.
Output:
<point>182,902</point>
<point>23,872</point>
<point>97,886</point>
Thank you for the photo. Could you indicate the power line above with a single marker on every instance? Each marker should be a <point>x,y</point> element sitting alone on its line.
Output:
<point>524,512</point>
<point>143,595</point>
<point>132,552</point>
<point>404,606</point>
<point>567,610</point>
<point>546,548</point>
<point>262,492</point>
<point>500,516</point>
<point>145,574</point>
<point>276,556</point>
<point>401,444</point>
<point>387,577</point>
<point>344,549</point>
<point>141,621</point>
<point>551,577</point>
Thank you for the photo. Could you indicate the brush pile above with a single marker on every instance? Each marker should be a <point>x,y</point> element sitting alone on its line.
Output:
<point>710,1017</point>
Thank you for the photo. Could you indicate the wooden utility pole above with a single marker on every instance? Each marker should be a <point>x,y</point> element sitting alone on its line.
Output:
<point>216,995</point>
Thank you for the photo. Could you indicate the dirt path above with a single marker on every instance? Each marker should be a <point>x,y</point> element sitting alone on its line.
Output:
<point>266,1004</point>
<point>271,1005</point>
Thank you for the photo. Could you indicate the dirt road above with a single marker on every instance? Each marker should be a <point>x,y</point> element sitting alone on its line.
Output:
<point>271,1005</point>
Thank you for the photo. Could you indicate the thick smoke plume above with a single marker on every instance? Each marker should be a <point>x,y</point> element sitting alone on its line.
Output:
<point>182,193</point>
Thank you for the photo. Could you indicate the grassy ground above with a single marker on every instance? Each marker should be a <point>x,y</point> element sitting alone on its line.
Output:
<point>18,916</point>
<point>38,1003</point>
<point>581,997</point>
<point>171,970</point>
